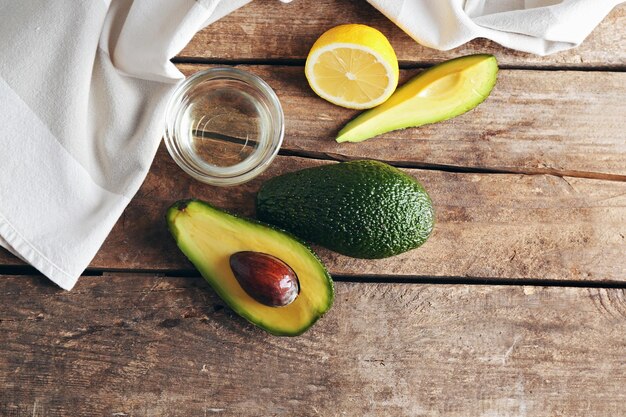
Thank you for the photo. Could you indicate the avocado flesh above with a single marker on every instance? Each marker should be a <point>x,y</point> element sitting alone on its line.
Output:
<point>439,93</point>
<point>209,236</point>
<point>362,209</point>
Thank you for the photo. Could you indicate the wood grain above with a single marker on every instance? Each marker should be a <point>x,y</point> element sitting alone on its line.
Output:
<point>154,346</point>
<point>555,122</point>
<point>144,345</point>
<point>488,226</point>
<point>266,29</point>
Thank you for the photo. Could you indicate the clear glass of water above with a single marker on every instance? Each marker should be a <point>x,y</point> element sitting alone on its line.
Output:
<point>224,126</point>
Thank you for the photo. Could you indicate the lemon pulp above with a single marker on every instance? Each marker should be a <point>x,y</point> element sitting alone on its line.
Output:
<point>352,66</point>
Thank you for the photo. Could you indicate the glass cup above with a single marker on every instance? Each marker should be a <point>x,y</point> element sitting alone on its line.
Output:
<point>224,126</point>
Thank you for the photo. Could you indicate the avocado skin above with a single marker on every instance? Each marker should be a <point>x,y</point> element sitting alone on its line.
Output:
<point>362,209</point>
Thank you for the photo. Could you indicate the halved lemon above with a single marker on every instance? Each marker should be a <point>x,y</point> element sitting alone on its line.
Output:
<point>352,66</point>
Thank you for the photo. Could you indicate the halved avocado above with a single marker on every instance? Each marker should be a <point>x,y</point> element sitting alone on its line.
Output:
<point>439,93</point>
<point>209,236</point>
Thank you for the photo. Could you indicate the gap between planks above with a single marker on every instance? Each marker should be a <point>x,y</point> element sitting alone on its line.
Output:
<point>327,156</point>
<point>297,62</point>
<point>25,270</point>
<point>334,156</point>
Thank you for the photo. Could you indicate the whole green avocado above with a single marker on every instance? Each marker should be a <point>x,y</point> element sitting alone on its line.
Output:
<point>362,209</point>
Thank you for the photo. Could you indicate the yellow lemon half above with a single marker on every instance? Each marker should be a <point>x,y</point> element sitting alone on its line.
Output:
<point>352,66</point>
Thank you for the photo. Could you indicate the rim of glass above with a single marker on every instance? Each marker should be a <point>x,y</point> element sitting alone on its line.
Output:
<point>250,167</point>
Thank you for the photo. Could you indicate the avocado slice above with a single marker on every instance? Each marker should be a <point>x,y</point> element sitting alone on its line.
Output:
<point>209,237</point>
<point>363,209</point>
<point>439,93</point>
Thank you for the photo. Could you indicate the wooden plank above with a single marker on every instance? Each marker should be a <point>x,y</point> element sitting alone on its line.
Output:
<point>270,30</point>
<point>565,122</point>
<point>491,226</point>
<point>153,346</point>
<point>488,226</point>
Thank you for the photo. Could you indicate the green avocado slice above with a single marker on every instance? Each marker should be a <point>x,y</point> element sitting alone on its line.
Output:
<point>209,236</point>
<point>442,92</point>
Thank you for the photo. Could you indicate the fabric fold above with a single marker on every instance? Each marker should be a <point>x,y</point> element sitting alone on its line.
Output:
<point>541,27</point>
<point>83,87</point>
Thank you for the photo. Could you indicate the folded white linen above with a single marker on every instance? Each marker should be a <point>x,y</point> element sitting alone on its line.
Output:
<point>541,27</point>
<point>83,87</point>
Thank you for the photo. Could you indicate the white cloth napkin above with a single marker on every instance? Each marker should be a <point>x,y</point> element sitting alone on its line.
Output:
<point>82,90</point>
<point>538,26</point>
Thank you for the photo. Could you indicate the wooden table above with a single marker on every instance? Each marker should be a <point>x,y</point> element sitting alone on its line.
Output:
<point>516,306</point>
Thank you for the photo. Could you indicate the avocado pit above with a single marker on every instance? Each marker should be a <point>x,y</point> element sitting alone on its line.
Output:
<point>264,277</point>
